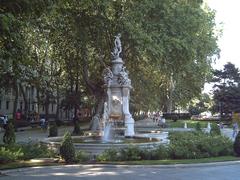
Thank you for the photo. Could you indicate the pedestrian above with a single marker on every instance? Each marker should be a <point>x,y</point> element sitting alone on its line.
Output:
<point>159,121</point>
<point>5,121</point>
<point>163,122</point>
<point>18,115</point>
<point>43,123</point>
<point>235,129</point>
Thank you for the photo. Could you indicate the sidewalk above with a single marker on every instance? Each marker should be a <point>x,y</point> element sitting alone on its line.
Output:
<point>35,134</point>
<point>142,126</point>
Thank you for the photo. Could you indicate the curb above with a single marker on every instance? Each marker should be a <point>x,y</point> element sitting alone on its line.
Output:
<point>11,171</point>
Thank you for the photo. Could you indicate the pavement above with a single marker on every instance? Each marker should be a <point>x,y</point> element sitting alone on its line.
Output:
<point>36,134</point>
<point>208,171</point>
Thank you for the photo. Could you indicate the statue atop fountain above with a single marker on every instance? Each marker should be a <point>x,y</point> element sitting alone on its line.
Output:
<point>118,85</point>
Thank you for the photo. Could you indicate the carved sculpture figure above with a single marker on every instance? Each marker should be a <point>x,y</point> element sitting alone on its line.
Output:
<point>118,47</point>
<point>107,75</point>
<point>123,77</point>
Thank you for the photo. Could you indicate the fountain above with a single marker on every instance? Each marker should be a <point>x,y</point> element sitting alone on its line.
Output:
<point>116,110</point>
<point>185,125</point>
<point>117,124</point>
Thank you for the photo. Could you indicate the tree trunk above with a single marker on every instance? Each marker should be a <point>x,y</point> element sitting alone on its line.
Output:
<point>96,90</point>
<point>57,119</point>
<point>24,99</point>
<point>15,101</point>
<point>47,102</point>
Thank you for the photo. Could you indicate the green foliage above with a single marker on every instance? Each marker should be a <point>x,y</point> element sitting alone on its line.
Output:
<point>200,104</point>
<point>67,149</point>
<point>198,126</point>
<point>215,130</point>
<point>236,145</point>
<point>110,154</point>
<point>183,145</point>
<point>82,156</point>
<point>132,153</point>
<point>64,47</point>
<point>8,155</point>
<point>53,130</point>
<point>226,92</point>
<point>9,134</point>
<point>162,152</point>
<point>36,150</point>
<point>28,151</point>
<point>198,145</point>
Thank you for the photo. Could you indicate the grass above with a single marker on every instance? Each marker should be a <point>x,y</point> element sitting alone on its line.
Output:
<point>180,161</point>
<point>22,164</point>
<point>190,123</point>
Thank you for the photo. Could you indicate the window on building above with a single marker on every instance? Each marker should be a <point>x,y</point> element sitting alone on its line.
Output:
<point>0,104</point>
<point>7,105</point>
<point>43,108</point>
<point>32,107</point>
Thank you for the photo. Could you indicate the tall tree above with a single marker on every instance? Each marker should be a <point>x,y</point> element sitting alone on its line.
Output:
<point>226,89</point>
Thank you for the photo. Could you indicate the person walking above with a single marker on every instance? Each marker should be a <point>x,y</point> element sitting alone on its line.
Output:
<point>43,123</point>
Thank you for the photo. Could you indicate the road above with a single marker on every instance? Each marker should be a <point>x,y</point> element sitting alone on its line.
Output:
<point>214,171</point>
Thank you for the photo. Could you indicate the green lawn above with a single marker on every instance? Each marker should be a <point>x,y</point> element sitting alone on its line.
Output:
<point>190,123</point>
<point>21,164</point>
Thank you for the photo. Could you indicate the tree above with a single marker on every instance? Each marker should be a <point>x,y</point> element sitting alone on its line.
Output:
<point>14,55</point>
<point>201,104</point>
<point>226,89</point>
<point>162,40</point>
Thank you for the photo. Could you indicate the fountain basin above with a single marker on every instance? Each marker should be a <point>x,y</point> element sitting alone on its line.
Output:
<point>94,145</point>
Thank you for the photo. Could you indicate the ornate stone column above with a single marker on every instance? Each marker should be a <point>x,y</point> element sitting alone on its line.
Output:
<point>118,90</point>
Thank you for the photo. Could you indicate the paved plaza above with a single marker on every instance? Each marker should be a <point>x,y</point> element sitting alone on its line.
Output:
<point>37,134</point>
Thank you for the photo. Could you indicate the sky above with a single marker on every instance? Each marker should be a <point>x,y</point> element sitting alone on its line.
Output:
<point>227,17</point>
<point>228,13</point>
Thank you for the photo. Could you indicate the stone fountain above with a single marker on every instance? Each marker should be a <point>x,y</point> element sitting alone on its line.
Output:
<point>117,124</point>
<point>116,109</point>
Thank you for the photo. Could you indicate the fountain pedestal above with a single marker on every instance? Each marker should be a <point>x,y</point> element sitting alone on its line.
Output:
<point>118,87</point>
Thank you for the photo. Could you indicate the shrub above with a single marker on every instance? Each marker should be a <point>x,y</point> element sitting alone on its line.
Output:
<point>131,153</point>
<point>9,135</point>
<point>67,150</point>
<point>109,155</point>
<point>53,130</point>
<point>82,156</point>
<point>36,150</point>
<point>147,154</point>
<point>236,145</point>
<point>7,155</point>
<point>215,130</point>
<point>198,145</point>
<point>162,152</point>
<point>198,126</point>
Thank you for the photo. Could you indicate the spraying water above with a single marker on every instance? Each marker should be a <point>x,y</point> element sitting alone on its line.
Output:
<point>107,133</point>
